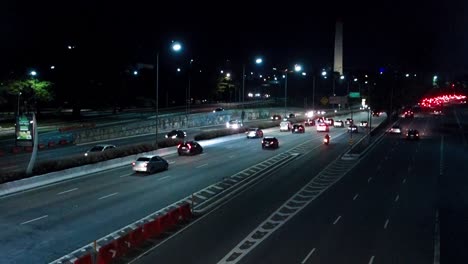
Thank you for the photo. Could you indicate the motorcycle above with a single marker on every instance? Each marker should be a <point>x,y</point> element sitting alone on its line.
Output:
<point>326,140</point>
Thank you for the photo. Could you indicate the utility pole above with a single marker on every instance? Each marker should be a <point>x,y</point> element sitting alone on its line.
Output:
<point>243,85</point>
<point>313,91</point>
<point>285,92</point>
<point>157,98</point>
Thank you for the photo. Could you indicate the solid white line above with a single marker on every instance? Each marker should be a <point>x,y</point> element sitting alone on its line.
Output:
<point>171,162</point>
<point>35,219</point>
<point>386,224</point>
<point>371,260</point>
<point>107,196</point>
<point>308,256</point>
<point>201,166</point>
<point>397,198</point>
<point>67,191</point>
<point>355,196</point>
<point>337,219</point>
<point>231,156</point>
<point>165,177</point>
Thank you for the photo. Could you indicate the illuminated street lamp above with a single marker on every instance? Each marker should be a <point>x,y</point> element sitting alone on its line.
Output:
<point>176,46</point>
<point>324,73</point>
<point>259,61</point>
<point>342,77</point>
<point>33,73</point>
<point>297,68</point>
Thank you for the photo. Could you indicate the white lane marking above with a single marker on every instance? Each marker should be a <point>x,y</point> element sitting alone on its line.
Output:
<point>165,177</point>
<point>355,196</point>
<point>386,224</point>
<point>437,239</point>
<point>67,191</point>
<point>125,175</point>
<point>368,180</point>
<point>404,181</point>
<point>231,156</point>
<point>337,219</point>
<point>371,260</point>
<point>308,256</point>
<point>201,166</point>
<point>397,198</point>
<point>107,196</point>
<point>35,219</point>
<point>171,162</point>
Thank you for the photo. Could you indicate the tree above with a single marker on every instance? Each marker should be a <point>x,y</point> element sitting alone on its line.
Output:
<point>224,88</point>
<point>33,91</point>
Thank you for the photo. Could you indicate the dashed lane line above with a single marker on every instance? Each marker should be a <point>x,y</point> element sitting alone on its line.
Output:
<point>337,220</point>
<point>107,196</point>
<point>35,219</point>
<point>67,191</point>
<point>308,256</point>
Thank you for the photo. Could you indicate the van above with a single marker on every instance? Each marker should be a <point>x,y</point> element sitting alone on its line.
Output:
<point>285,126</point>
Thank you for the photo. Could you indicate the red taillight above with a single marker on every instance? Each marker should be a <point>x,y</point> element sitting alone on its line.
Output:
<point>189,146</point>
<point>178,146</point>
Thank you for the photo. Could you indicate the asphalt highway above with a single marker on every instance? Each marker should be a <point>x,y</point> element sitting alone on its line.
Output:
<point>385,209</point>
<point>44,224</point>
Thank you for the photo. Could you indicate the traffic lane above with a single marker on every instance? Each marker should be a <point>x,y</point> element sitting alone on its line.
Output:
<point>102,182</point>
<point>211,237</point>
<point>323,228</point>
<point>453,193</point>
<point>125,204</point>
<point>241,151</point>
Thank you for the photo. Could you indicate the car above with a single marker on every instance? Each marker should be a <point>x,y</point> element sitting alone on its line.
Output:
<point>254,133</point>
<point>189,148</point>
<point>322,127</point>
<point>320,120</point>
<point>363,124</point>
<point>176,134</point>
<point>395,129</point>
<point>309,122</point>
<point>219,109</point>
<point>375,113</point>
<point>285,126</point>
<point>437,112</point>
<point>150,164</point>
<point>234,124</point>
<point>298,128</point>
<point>275,117</point>
<point>349,121</point>
<point>338,123</point>
<point>99,148</point>
<point>270,142</point>
<point>412,134</point>
<point>292,115</point>
<point>409,114</point>
<point>352,128</point>
<point>329,121</point>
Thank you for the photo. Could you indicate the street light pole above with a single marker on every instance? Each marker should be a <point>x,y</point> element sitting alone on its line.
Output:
<point>285,92</point>
<point>313,91</point>
<point>19,95</point>
<point>157,98</point>
<point>243,85</point>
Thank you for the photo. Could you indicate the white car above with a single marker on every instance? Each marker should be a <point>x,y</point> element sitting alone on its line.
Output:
<point>322,127</point>
<point>363,124</point>
<point>234,124</point>
<point>285,126</point>
<point>338,123</point>
<point>395,129</point>
<point>150,164</point>
<point>99,148</point>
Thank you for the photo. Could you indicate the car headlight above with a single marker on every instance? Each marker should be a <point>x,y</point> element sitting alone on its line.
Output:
<point>166,136</point>
<point>86,154</point>
<point>175,136</point>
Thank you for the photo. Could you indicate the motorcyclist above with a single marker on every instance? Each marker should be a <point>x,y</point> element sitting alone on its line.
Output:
<point>327,138</point>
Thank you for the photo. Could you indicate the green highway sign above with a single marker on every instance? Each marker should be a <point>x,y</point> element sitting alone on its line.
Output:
<point>355,95</point>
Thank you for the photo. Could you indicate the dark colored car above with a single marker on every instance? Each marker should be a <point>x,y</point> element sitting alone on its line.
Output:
<point>309,122</point>
<point>292,115</point>
<point>219,109</point>
<point>276,118</point>
<point>298,128</point>
<point>352,129</point>
<point>349,121</point>
<point>189,148</point>
<point>150,164</point>
<point>176,134</point>
<point>338,123</point>
<point>412,134</point>
<point>254,133</point>
<point>409,114</point>
<point>270,142</point>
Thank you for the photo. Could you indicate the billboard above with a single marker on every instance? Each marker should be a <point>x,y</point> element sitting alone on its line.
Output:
<point>338,100</point>
<point>24,130</point>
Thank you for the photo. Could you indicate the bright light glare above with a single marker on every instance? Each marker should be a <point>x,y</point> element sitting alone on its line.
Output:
<point>33,73</point>
<point>342,77</point>
<point>52,67</point>
<point>258,60</point>
<point>250,94</point>
<point>304,73</point>
<point>355,79</point>
<point>407,75</point>
<point>324,73</point>
<point>178,69</point>
<point>135,72</point>
<point>228,75</point>
<point>176,46</point>
<point>297,68</point>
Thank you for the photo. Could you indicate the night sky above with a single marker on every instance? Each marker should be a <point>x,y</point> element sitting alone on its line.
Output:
<point>419,36</point>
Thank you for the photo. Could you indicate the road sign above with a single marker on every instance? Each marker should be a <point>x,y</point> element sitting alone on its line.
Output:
<point>354,95</point>
<point>324,100</point>
<point>338,100</point>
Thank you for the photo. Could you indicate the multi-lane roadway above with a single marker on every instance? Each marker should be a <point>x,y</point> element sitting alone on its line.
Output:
<point>43,224</point>
<point>402,202</point>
